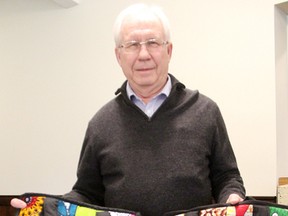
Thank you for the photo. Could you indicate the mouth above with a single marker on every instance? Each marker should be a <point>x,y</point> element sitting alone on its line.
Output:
<point>145,69</point>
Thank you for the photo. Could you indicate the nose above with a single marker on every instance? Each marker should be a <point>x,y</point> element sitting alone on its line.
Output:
<point>143,52</point>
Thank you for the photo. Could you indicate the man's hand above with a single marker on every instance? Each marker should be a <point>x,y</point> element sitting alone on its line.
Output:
<point>234,199</point>
<point>17,203</point>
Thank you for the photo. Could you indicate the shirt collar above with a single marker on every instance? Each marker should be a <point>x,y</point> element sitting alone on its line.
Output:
<point>165,91</point>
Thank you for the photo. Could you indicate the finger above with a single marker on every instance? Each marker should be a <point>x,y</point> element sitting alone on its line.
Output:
<point>234,199</point>
<point>17,203</point>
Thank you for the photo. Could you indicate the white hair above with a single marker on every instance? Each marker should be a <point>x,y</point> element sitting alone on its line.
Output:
<point>141,12</point>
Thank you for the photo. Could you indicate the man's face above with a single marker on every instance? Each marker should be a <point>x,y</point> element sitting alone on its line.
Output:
<point>144,68</point>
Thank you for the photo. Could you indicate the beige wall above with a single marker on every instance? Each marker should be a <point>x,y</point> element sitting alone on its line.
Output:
<point>57,69</point>
<point>281,63</point>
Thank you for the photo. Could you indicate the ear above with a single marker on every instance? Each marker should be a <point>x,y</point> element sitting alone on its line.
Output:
<point>118,56</point>
<point>169,50</point>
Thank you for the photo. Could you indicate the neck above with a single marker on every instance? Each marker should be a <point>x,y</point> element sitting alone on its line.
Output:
<point>146,93</point>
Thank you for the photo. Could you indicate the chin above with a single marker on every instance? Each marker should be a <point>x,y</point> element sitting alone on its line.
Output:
<point>145,82</point>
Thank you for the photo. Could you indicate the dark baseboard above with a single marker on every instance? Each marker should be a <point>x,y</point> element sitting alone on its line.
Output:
<point>5,208</point>
<point>272,199</point>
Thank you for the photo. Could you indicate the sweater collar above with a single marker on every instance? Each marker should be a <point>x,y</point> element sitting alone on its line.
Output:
<point>165,91</point>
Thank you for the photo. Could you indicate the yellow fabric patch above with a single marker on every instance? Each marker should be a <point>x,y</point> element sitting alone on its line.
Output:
<point>83,211</point>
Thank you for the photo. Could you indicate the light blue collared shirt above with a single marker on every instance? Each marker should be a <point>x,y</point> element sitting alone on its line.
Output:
<point>150,108</point>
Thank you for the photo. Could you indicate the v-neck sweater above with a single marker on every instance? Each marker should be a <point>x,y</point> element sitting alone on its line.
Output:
<point>179,158</point>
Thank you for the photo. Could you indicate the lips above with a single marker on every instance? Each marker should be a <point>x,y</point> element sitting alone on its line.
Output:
<point>145,69</point>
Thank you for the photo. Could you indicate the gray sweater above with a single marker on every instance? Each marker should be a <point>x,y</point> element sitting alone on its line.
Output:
<point>179,158</point>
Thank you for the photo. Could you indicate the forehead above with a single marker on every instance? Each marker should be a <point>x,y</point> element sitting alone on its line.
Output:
<point>138,30</point>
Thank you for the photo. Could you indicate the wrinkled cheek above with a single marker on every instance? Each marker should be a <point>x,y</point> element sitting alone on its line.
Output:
<point>127,68</point>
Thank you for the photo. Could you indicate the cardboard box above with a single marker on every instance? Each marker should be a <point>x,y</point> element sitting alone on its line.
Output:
<point>282,191</point>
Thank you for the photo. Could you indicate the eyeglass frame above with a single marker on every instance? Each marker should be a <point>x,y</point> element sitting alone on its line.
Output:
<point>138,44</point>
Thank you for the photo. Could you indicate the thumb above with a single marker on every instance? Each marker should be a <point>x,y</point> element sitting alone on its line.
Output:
<point>234,199</point>
<point>18,203</point>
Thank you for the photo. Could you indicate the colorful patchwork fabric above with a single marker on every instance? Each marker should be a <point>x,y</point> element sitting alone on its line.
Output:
<point>34,206</point>
<point>50,205</point>
<point>246,208</point>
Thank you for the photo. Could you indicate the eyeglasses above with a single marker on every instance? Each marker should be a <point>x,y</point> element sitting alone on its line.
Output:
<point>152,45</point>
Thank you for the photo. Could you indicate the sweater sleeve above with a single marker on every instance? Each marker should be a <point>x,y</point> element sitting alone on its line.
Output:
<point>88,187</point>
<point>225,175</point>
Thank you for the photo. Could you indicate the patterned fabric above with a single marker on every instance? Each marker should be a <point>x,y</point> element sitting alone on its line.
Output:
<point>34,206</point>
<point>240,210</point>
<point>274,211</point>
<point>49,205</point>
<point>246,208</point>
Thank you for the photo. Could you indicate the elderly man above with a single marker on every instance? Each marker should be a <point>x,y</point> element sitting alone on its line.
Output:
<point>158,146</point>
